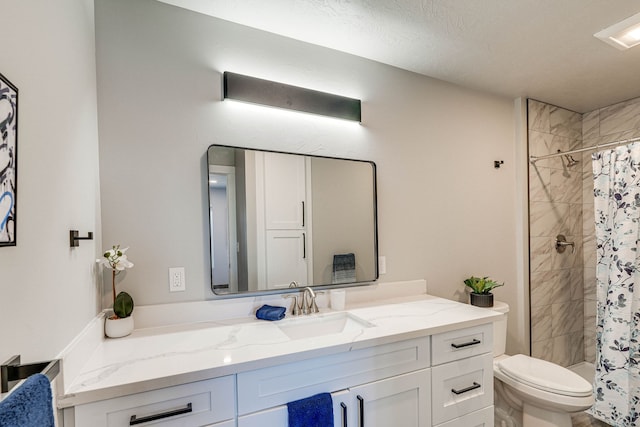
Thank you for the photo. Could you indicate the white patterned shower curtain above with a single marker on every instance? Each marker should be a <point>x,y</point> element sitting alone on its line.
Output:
<point>617,216</point>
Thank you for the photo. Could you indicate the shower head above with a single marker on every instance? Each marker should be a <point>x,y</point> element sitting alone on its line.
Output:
<point>570,160</point>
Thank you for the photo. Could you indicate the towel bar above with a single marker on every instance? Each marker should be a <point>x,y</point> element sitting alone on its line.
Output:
<point>12,371</point>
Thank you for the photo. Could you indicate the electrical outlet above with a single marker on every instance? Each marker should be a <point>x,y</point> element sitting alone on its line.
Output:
<point>176,279</point>
<point>382,265</point>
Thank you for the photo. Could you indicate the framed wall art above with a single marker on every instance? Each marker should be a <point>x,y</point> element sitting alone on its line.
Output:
<point>8,161</point>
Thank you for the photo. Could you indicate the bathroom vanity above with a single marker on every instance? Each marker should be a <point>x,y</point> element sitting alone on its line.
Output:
<point>418,361</point>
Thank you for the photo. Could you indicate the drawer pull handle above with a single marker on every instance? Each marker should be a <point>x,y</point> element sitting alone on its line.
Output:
<point>361,410</point>
<point>135,420</point>
<point>466,344</point>
<point>344,414</point>
<point>464,390</point>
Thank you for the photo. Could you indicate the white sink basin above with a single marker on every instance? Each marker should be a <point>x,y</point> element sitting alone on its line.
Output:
<point>322,324</point>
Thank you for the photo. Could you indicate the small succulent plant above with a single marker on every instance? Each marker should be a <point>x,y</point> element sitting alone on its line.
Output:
<point>117,261</point>
<point>482,285</point>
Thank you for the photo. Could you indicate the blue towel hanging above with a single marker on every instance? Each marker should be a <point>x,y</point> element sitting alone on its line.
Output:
<point>29,405</point>
<point>314,411</point>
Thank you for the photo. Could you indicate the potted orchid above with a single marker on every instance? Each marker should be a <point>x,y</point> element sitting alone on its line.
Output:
<point>120,324</point>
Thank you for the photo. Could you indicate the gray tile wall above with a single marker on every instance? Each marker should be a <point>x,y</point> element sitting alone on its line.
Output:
<point>556,207</point>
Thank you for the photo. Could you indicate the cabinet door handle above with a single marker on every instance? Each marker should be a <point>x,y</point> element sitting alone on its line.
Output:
<point>303,213</point>
<point>464,390</point>
<point>304,246</point>
<point>361,409</point>
<point>135,420</point>
<point>344,414</point>
<point>466,344</point>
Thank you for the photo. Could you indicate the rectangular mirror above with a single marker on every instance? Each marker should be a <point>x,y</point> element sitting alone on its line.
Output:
<point>275,218</point>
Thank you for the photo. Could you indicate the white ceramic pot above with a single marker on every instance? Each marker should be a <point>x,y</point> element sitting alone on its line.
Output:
<point>117,328</point>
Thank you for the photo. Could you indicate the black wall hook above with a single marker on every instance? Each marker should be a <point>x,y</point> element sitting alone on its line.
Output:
<point>498,163</point>
<point>74,238</point>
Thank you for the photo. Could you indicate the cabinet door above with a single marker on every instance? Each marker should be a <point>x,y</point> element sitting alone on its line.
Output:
<point>284,189</point>
<point>403,400</point>
<point>286,258</point>
<point>279,416</point>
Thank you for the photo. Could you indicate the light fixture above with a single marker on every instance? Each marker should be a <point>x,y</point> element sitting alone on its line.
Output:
<point>280,95</point>
<point>623,35</point>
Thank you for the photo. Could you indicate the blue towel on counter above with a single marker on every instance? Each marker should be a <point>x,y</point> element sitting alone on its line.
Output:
<point>269,312</point>
<point>29,405</point>
<point>314,411</point>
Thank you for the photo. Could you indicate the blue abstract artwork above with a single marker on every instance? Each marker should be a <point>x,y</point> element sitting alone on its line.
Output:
<point>8,161</point>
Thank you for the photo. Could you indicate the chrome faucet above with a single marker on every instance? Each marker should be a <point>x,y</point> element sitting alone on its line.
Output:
<point>305,303</point>
<point>296,309</point>
<point>309,305</point>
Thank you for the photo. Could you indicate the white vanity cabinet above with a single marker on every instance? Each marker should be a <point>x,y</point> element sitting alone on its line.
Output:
<point>404,384</point>
<point>402,400</point>
<point>439,380</point>
<point>377,384</point>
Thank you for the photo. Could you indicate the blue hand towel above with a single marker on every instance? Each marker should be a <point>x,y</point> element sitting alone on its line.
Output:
<point>314,411</point>
<point>269,312</point>
<point>29,405</point>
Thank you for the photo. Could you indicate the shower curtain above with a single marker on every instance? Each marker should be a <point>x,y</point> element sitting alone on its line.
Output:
<point>617,216</point>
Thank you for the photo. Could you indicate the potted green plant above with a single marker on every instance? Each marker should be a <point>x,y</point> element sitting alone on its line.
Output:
<point>481,287</point>
<point>119,324</point>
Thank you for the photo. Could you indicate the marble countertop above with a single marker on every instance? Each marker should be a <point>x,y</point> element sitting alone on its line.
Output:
<point>158,357</point>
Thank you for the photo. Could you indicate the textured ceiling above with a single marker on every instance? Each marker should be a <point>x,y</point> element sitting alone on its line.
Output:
<point>543,49</point>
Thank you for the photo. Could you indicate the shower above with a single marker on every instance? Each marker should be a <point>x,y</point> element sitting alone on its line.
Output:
<point>563,326</point>
<point>570,160</point>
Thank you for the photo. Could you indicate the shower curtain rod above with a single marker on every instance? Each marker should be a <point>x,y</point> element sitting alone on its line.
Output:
<point>534,159</point>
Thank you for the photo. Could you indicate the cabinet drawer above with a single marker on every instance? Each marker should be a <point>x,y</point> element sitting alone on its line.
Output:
<point>481,418</point>
<point>194,404</point>
<point>265,388</point>
<point>456,345</point>
<point>279,416</point>
<point>461,387</point>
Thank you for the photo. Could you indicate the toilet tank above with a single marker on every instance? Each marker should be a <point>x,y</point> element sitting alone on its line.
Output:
<point>500,328</point>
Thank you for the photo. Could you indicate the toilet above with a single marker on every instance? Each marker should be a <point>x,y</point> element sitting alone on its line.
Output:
<point>544,393</point>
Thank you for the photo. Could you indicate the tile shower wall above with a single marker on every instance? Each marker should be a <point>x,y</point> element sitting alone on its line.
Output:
<point>615,122</point>
<point>556,206</point>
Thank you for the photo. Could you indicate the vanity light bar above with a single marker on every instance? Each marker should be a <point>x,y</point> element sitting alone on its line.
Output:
<point>265,92</point>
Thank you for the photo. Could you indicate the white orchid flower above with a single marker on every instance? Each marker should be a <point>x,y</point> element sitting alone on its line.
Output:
<point>116,259</point>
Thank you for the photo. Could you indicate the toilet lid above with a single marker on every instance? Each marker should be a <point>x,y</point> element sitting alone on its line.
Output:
<point>545,376</point>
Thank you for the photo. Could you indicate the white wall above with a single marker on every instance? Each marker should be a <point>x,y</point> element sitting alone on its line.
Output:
<point>48,291</point>
<point>444,212</point>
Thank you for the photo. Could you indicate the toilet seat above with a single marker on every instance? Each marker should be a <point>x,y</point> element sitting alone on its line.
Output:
<point>545,376</point>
